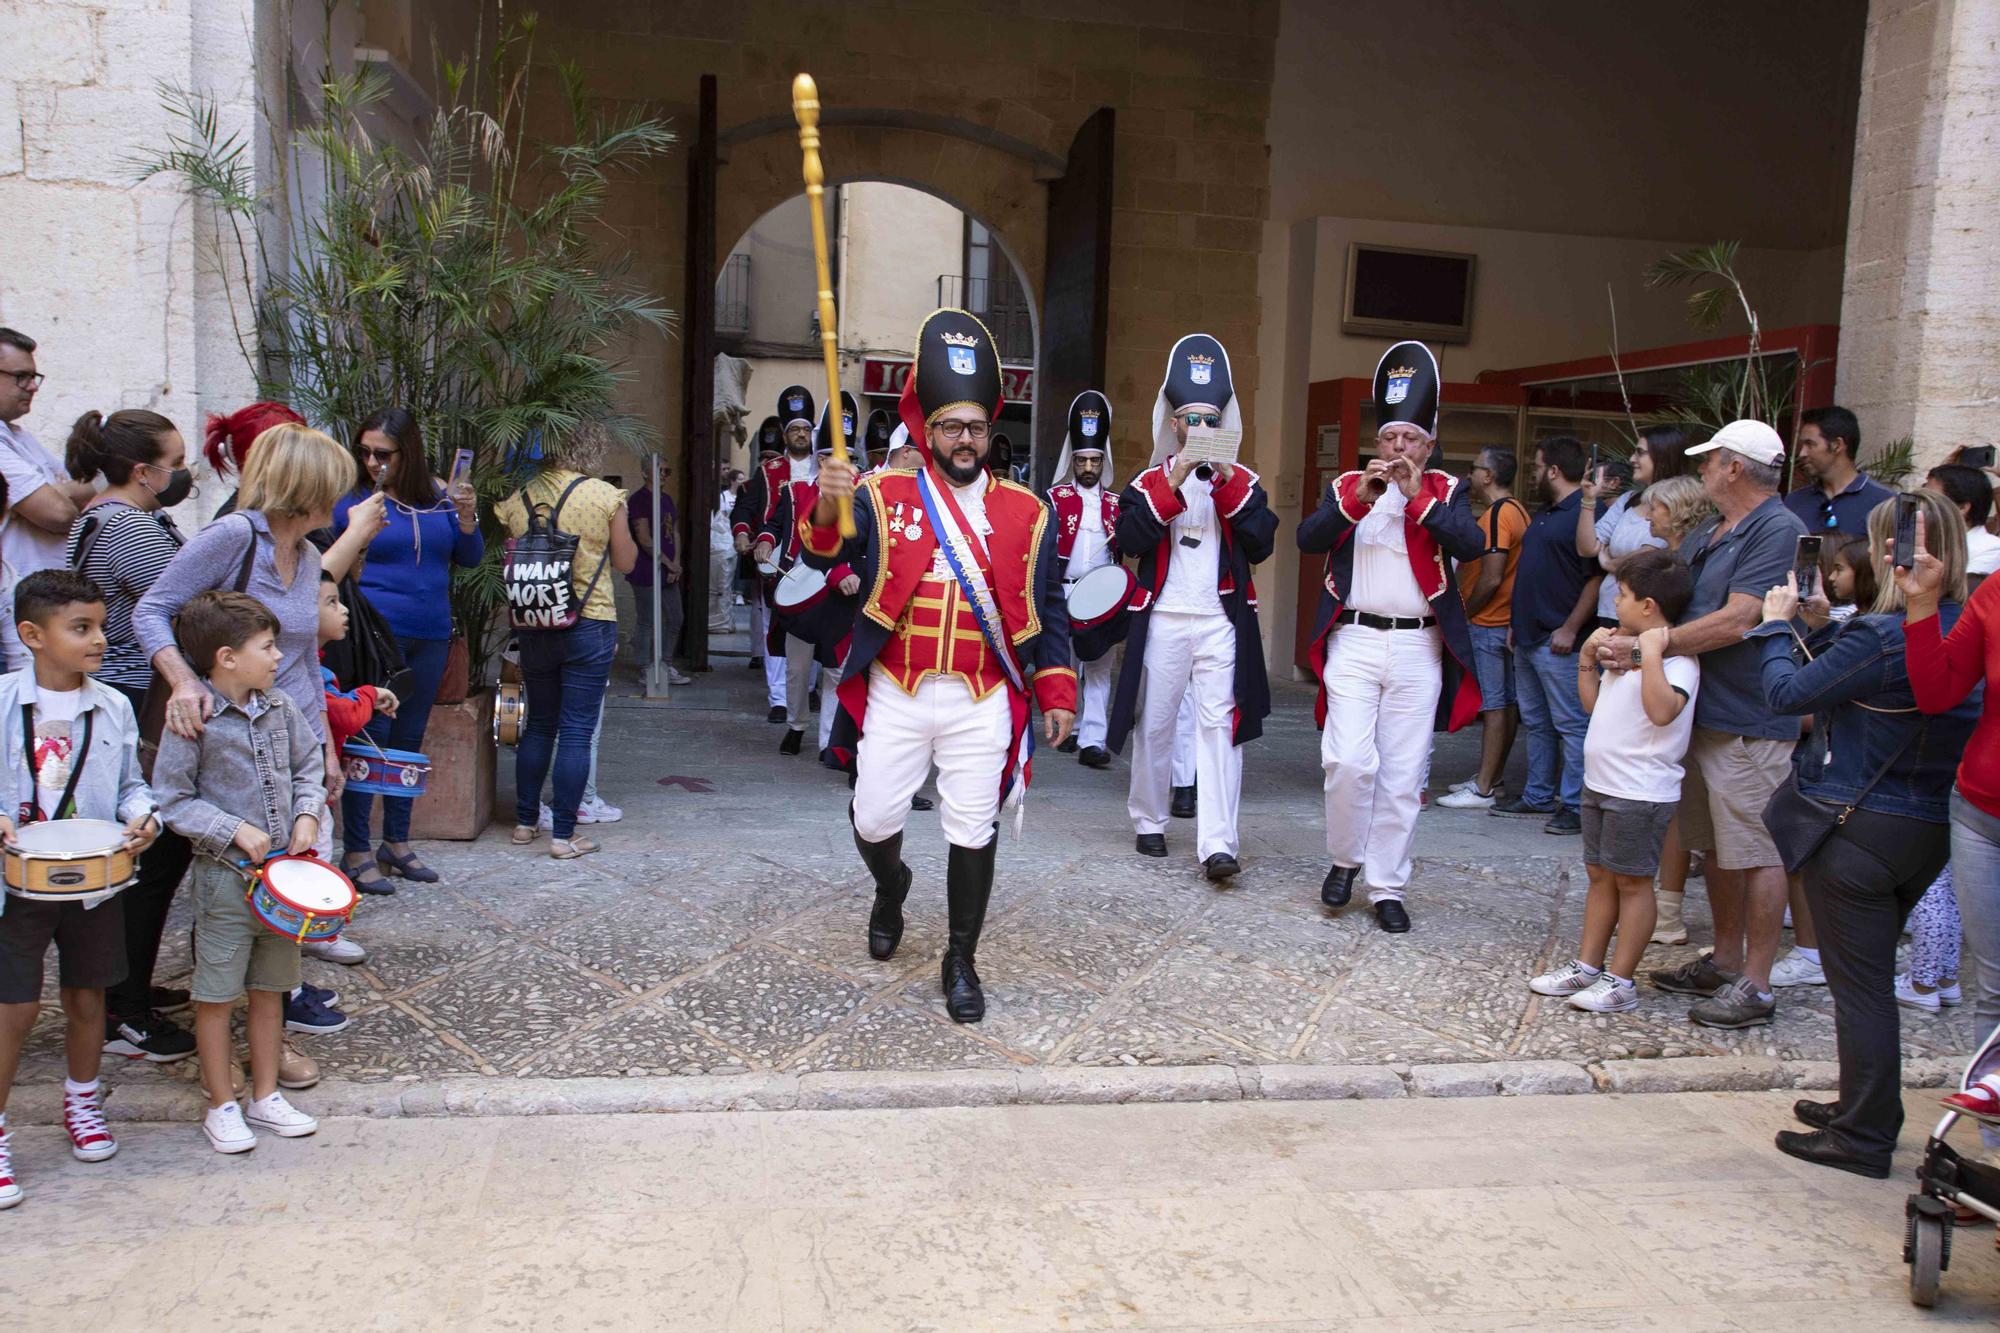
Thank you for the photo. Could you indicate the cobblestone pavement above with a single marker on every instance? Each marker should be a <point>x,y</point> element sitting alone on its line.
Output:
<point>724,931</point>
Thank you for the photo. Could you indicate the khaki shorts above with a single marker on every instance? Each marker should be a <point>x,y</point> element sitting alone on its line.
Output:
<point>232,948</point>
<point>1727,782</point>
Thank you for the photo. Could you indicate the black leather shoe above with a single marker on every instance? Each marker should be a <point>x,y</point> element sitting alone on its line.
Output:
<point>1389,914</point>
<point>1821,1148</point>
<point>1095,757</point>
<point>777,714</point>
<point>794,742</point>
<point>1220,866</point>
<point>1183,803</point>
<point>1817,1114</point>
<point>1151,844</point>
<point>1067,747</point>
<point>826,760</point>
<point>922,803</point>
<point>964,1000</point>
<point>1337,889</point>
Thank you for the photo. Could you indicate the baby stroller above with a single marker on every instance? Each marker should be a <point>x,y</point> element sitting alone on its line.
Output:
<point>1945,1179</point>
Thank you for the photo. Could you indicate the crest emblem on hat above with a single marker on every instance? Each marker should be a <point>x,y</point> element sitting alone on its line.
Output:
<point>796,403</point>
<point>962,360</point>
<point>1088,420</point>
<point>1200,368</point>
<point>846,423</point>
<point>1398,387</point>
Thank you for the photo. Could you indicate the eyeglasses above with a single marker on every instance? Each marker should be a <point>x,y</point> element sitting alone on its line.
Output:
<point>976,430</point>
<point>380,455</point>
<point>1208,419</point>
<point>27,380</point>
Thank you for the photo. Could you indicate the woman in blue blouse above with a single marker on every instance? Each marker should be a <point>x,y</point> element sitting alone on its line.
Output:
<point>407,575</point>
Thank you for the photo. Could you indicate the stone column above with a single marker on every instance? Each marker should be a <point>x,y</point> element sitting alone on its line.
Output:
<point>1920,305</point>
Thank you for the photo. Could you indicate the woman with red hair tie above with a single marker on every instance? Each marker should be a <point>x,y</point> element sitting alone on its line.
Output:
<point>230,437</point>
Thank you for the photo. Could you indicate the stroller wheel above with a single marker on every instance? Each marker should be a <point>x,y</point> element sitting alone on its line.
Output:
<point>1926,1247</point>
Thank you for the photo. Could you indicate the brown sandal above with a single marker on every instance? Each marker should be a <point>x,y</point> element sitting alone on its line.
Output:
<point>569,850</point>
<point>524,834</point>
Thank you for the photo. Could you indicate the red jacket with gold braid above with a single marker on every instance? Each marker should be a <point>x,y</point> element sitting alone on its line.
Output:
<point>759,501</point>
<point>916,623</point>
<point>782,531</point>
<point>1067,500</point>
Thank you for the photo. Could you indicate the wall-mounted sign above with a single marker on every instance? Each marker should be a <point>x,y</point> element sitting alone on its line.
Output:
<point>1329,447</point>
<point>887,375</point>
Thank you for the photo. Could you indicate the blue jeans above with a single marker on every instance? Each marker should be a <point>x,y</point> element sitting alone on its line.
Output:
<point>565,672</point>
<point>405,731</point>
<point>1553,720</point>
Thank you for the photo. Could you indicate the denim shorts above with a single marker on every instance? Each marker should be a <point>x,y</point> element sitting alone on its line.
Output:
<point>1624,836</point>
<point>232,948</point>
<point>1493,666</point>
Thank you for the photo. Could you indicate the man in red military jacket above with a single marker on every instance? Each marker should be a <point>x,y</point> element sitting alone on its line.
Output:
<point>754,509</point>
<point>961,627</point>
<point>1086,510</point>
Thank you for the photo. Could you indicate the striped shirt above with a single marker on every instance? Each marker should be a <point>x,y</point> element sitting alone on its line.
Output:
<point>129,548</point>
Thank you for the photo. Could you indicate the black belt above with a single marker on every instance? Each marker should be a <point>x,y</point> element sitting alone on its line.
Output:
<point>1369,620</point>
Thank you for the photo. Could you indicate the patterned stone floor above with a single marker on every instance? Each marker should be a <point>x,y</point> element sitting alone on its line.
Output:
<point>723,931</point>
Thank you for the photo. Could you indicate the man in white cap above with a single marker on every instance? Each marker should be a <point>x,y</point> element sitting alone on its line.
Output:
<point>1391,643</point>
<point>1741,750</point>
<point>1196,529</point>
<point>754,511</point>
<point>1086,513</point>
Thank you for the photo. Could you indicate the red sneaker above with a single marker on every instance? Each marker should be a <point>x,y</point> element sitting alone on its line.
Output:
<point>83,1116</point>
<point>1981,1101</point>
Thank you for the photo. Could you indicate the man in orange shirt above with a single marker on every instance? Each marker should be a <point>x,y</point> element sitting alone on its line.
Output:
<point>1488,587</point>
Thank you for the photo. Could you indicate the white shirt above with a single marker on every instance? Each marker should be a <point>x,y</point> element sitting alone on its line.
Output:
<point>1383,582</point>
<point>1193,571</point>
<point>55,716</point>
<point>971,499</point>
<point>801,469</point>
<point>1624,754</point>
<point>28,467</point>
<point>1982,552</point>
<point>1093,544</point>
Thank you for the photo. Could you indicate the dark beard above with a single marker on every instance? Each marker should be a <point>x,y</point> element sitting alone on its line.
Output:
<point>1087,480</point>
<point>957,476</point>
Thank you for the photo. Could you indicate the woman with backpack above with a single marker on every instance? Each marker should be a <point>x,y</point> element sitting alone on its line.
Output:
<point>406,575</point>
<point>567,529</point>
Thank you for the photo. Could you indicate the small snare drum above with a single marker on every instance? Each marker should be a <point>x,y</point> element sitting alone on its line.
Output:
<point>62,860</point>
<point>510,713</point>
<point>300,897</point>
<point>1100,611</point>
<point>377,771</point>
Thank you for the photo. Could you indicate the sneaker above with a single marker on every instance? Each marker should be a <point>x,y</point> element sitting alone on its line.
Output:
<point>148,1037</point>
<point>83,1116</point>
<point>1909,996</point>
<point>1736,1005</point>
<point>296,1069</point>
<point>1469,797</point>
<point>170,999</point>
<point>303,1014</point>
<point>1519,808</point>
<point>1700,977</point>
<point>1794,969</point>
<point>675,676</point>
<point>343,951</point>
<point>225,1129</point>
<point>280,1117</point>
<point>1606,995</point>
<point>1568,979</point>
<point>597,810</point>
<point>10,1189</point>
<point>1565,820</point>
<point>329,998</point>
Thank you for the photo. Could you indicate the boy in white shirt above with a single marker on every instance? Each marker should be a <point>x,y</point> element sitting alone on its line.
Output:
<point>1640,722</point>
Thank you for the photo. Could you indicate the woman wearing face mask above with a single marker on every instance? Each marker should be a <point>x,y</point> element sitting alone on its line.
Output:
<point>122,540</point>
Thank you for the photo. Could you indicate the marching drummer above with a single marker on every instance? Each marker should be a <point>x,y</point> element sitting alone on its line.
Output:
<point>55,709</point>
<point>1086,510</point>
<point>1196,527</point>
<point>783,459</point>
<point>820,642</point>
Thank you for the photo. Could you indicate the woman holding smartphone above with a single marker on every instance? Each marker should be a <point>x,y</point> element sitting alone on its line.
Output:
<point>406,574</point>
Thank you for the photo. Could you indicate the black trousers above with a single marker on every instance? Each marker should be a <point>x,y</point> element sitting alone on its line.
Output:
<point>146,904</point>
<point>1861,886</point>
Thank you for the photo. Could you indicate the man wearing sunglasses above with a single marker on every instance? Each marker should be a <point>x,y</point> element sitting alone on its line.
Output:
<point>42,501</point>
<point>1842,494</point>
<point>1196,529</point>
<point>1391,645</point>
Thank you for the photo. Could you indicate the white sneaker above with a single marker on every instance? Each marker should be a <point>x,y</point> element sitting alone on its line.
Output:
<point>677,677</point>
<point>597,810</point>
<point>225,1129</point>
<point>1472,784</point>
<point>342,950</point>
<point>1929,1001</point>
<point>10,1189</point>
<point>1606,996</point>
<point>1468,798</point>
<point>1795,969</point>
<point>1569,979</point>
<point>281,1117</point>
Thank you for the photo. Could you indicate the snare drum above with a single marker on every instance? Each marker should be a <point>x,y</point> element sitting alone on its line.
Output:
<point>377,771</point>
<point>301,897</point>
<point>1100,611</point>
<point>62,860</point>
<point>808,608</point>
<point>510,713</point>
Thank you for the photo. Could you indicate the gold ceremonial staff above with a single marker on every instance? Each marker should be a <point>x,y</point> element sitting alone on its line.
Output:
<point>805,109</point>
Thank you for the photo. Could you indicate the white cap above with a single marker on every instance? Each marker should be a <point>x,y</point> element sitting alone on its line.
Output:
<point>1753,439</point>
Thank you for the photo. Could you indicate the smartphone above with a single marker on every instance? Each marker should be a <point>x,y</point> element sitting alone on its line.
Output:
<point>461,470</point>
<point>1980,457</point>
<point>1590,472</point>
<point>1805,567</point>
<point>1906,531</point>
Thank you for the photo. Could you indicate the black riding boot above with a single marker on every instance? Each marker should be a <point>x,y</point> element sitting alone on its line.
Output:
<point>968,884</point>
<point>884,860</point>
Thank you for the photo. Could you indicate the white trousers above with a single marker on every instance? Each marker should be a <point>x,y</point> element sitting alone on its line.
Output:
<point>1184,730</point>
<point>829,704</point>
<point>1381,696</point>
<point>1188,656</point>
<point>1095,680</point>
<point>941,722</point>
<point>774,666</point>
<point>801,670</point>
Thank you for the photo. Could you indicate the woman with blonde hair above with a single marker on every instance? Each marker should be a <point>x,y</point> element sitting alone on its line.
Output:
<point>1675,507</point>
